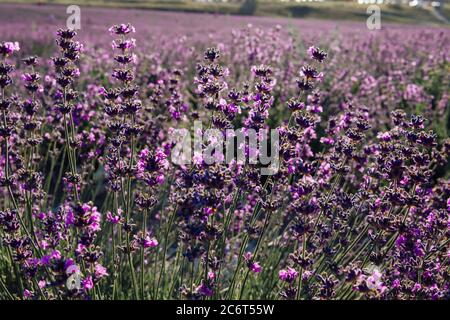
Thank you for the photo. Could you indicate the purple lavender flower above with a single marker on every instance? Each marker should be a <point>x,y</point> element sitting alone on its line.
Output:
<point>122,29</point>
<point>288,275</point>
<point>8,48</point>
<point>317,54</point>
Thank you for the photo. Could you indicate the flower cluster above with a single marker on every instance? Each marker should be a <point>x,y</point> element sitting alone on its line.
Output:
<point>92,207</point>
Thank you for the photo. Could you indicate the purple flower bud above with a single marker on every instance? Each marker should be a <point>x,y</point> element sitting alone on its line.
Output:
<point>288,275</point>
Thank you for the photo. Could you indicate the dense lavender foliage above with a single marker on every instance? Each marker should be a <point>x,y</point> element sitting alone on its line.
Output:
<point>92,207</point>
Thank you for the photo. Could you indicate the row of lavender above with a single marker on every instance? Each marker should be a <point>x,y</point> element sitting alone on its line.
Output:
<point>93,208</point>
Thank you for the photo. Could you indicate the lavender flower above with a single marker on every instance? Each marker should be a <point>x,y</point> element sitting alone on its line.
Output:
<point>92,207</point>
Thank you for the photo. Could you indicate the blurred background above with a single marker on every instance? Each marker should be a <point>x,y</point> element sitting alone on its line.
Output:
<point>436,12</point>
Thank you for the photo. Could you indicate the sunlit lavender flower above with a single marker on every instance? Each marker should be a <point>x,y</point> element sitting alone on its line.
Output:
<point>149,242</point>
<point>374,281</point>
<point>122,29</point>
<point>8,48</point>
<point>288,275</point>
<point>317,54</point>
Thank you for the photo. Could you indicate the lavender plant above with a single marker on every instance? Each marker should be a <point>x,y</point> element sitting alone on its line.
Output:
<point>92,206</point>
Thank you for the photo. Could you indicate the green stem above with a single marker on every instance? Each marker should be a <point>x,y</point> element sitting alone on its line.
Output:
<point>300,280</point>
<point>5,289</point>
<point>144,230</point>
<point>166,239</point>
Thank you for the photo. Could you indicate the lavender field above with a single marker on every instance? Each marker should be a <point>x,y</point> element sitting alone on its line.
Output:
<point>97,202</point>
